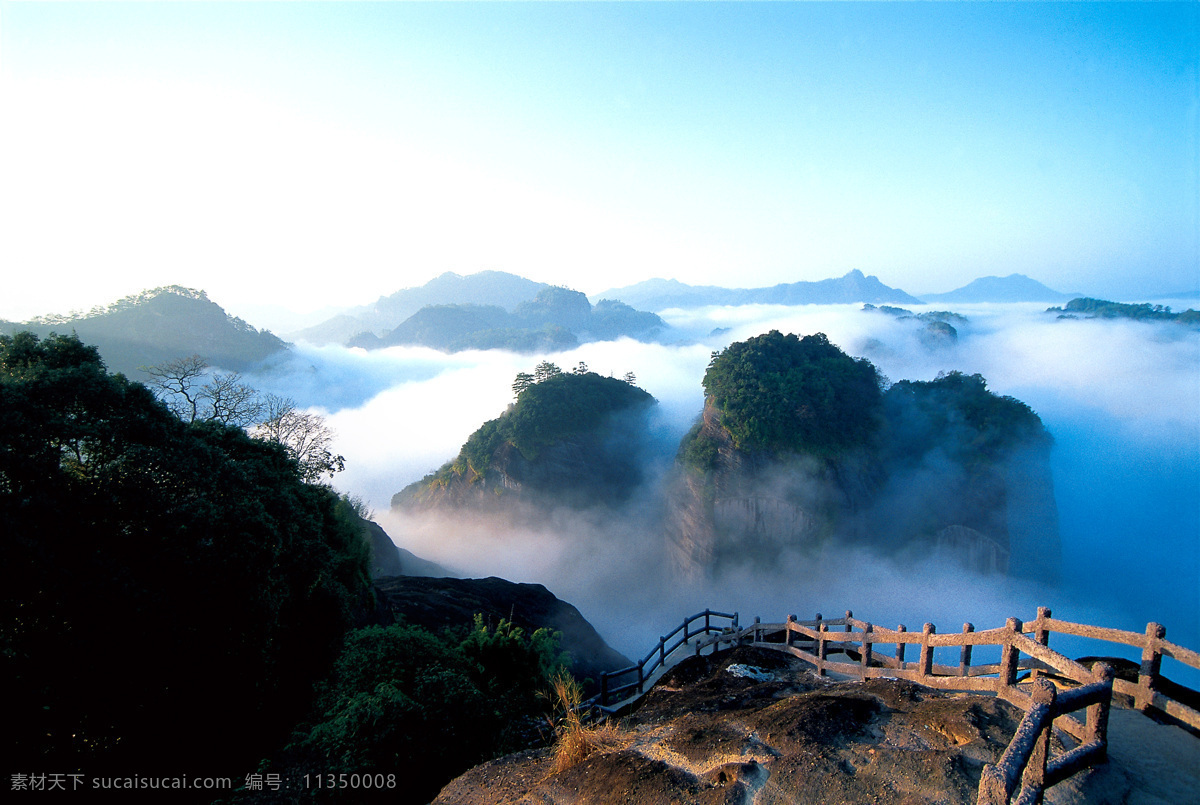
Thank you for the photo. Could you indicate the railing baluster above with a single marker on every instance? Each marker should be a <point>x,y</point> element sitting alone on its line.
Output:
<point>926,663</point>
<point>900,647</point>
<point>867,651</point>
<point>1151,664</point>
<point>964,662</point>
<point>1008,656</point>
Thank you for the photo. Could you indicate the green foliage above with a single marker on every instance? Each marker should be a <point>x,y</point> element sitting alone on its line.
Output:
<point>158,325</point>
<point>156,578</point>
<point>402,699</point>
<point>959,413</point>
<point>782,393</point>
<point>697,449</point>
<point>564,405</point>
<point>1103,309</point>
<point>554,408</point>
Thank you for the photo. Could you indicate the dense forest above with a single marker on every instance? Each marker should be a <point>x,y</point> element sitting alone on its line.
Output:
<point>179,597</point>
<point>563,440</point>
<point>1085,307</point>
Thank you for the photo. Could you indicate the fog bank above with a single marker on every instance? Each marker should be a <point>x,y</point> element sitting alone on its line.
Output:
<point>1120,398</point>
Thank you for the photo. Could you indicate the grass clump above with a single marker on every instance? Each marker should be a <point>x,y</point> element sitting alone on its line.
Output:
<point>575,741</point>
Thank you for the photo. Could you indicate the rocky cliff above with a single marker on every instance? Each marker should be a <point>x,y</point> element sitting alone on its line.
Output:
<point>436,604</point>
<point>943,467</point>
<point>751,725</point>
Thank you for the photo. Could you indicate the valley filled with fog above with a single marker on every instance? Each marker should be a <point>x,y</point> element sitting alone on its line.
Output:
<point>1120,399</point>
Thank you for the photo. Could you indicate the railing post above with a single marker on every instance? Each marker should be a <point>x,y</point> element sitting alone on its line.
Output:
<point>900,647</point>
<point>735,620</point>
<point>1044,693</point>
<point>1040,634</point>
<point>686,634</point>
<point>867,650</point>
<point>707,612</point>
<point>787,633</point>
<point>1097,714</point>
<point>926,650</point>
<point>964,660</point>
<point>849,615</point>
<point>757,621</point>
<point>662,651</point>
<point>1151,664</point>
<point>604,688</point>
<point>992,789</point>
<point>822,648</point>
<point>1008,655</point>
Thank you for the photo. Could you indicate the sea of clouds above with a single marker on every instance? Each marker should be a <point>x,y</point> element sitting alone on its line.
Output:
<point>1120,398</point>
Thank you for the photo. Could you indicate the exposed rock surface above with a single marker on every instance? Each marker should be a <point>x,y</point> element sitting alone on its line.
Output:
<point>952,470</point>
<point>389,559</point>
<point>752,726</point>
<point>440,603</point>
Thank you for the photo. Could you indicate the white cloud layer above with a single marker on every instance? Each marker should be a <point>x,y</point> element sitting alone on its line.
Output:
<point>1121,398</point>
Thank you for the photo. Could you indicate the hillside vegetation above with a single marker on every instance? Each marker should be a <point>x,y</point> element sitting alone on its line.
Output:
<point>178,597</point>
<point>785,394</point>
<point>557,437</point>
<point>1085,307</point>
<point>160,324</point>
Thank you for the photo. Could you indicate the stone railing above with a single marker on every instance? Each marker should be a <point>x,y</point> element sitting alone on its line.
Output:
<point>1026,767</point>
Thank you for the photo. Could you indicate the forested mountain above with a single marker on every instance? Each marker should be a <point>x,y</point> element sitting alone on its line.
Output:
<point>799,448</point>
<point>158,325</point>
<point>1086,308</point>
<point>660,294</point>
<point>570,439</point>
<point>497,288</point>
<point>158,577</point>
<point>178,592</point>
<point>556,319</point>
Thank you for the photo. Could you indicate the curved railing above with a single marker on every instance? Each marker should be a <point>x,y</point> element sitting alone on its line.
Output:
<point>1026,767</point>
<point>613,690</point>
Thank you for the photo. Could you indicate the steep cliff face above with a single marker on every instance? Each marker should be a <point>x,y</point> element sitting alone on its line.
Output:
<point>748,507</point>
<point>941,468</point>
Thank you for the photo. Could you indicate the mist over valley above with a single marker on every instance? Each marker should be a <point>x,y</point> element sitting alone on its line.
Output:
<point>1118,398</point>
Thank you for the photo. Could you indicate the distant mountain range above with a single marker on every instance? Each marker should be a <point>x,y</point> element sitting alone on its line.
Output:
<point>155,326</point>
<point>487,310</point>
<point>660,294</point>
<point>1013,288</point>
<point>554,320</point>
<point>497,288</point>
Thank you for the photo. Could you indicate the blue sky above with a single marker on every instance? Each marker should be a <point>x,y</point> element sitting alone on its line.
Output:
<point>307,154</point>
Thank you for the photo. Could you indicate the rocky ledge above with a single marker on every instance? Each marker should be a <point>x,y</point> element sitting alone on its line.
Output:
<point>753,726</point>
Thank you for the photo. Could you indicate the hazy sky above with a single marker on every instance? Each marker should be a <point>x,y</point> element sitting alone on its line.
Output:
<point>310,154</point>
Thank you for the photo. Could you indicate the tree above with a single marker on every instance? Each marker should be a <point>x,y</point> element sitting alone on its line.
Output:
<point>581,369</point>
<point>524,380</point>
<point>544,371</point>
<point>304,435</point>
<point>157,577</point>
<point>188,389</point>
<point>232,402</point>
<point>179,383</point>
<point>630,378</point>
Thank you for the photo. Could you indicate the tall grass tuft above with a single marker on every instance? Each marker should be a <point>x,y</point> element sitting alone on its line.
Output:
<point>574,740</point>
